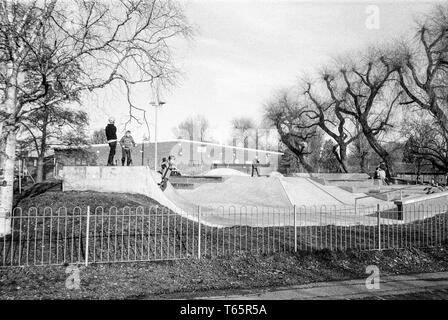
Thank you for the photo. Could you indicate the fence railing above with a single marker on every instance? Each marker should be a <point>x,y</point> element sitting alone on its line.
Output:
<point>85,235</point>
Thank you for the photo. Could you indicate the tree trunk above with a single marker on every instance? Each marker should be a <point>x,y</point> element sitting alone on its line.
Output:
<point>246,145</point>
<point>40,168</point>
<point>380,151</point>
<point>6,191</point>
<point>9,154</point>
<point>306,165</point>
<point>440,115</point>
<point>341,157</point>
<point>362,163</point>
<point>298,153</point>
<point>40,171</point>
<point>191,150</point>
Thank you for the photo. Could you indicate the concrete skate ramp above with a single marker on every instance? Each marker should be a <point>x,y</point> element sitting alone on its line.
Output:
<point>266,192</point>
<point>306,192</point>
<point>210,216</point>
<point>139,180</point>
<point>302,192</point>
<point>264,201</point>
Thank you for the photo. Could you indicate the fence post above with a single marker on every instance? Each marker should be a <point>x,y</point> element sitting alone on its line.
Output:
<point>295,229</point>
<point>87,236</point>
<point>199,232</point>
<point>378,214</point>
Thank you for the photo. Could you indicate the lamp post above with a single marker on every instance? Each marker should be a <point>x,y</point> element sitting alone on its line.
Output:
<point>143,152</point>
<point>156,104</point>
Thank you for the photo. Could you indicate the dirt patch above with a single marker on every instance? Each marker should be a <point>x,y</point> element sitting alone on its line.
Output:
<point>193,277</point>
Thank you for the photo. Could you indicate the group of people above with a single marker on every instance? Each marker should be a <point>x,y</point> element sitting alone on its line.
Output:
<point>126,143</point>
<point>168,166</point>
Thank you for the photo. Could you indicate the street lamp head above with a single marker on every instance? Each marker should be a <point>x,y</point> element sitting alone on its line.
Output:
<point>153,103</point>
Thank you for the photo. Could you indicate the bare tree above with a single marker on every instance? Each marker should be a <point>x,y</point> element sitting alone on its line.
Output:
<point>203,128</point>
<point>326,112</point>
<point>99,137</point>
<point>43,124</point>
<point>426,140</point>
<point>327,159</point>
<point>48,127</point>
<point>292,126</point>
<point>193,128</point>
<point>360,149</point>
<point>423,75</point>
<point>242,128</point>
<point>424,69</point>
<point>370,97</point>
<point>123,41</point>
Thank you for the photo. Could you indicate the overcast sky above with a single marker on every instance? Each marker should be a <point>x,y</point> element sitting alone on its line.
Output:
<point>244,51</point>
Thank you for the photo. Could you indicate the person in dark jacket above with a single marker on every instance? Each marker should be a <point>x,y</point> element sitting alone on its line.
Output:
<point>255,164</point>
<point>163,165</point>
<point>111,136</point>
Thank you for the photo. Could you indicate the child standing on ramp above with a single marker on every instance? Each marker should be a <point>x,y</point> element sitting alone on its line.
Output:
<point>127,142</point>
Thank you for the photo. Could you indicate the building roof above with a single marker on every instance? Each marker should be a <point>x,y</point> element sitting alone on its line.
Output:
<point>71,148</point>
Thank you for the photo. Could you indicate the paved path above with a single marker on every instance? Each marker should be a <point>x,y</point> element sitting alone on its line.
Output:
<point>350,289</point>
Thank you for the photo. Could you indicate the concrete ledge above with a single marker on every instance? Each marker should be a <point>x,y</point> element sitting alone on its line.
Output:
<point>431,204</point>
<point>195,179</point>
<point>180,185</point>
<point>423,198</point>
<point>335,176</point>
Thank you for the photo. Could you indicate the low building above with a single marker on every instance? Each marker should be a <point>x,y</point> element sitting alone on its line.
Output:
<point>192,157</point>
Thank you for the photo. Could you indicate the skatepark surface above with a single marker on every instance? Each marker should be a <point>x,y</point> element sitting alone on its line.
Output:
<point>273,192</point>
<point>239,200</point>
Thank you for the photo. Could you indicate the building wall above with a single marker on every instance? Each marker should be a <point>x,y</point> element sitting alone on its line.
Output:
<point>190,157</point>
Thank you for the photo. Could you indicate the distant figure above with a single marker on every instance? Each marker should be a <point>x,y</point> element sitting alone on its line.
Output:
<point>376,174</point>
<point>169,169</point>
<point>433,187</point>
<point>111,136</point>
<point>127,142</point>
<point>385,168</point>
<point>255,164</point>
<point>382,176</point>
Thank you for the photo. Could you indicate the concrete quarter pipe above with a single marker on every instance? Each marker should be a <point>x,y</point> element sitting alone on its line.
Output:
<point>236,201</point>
